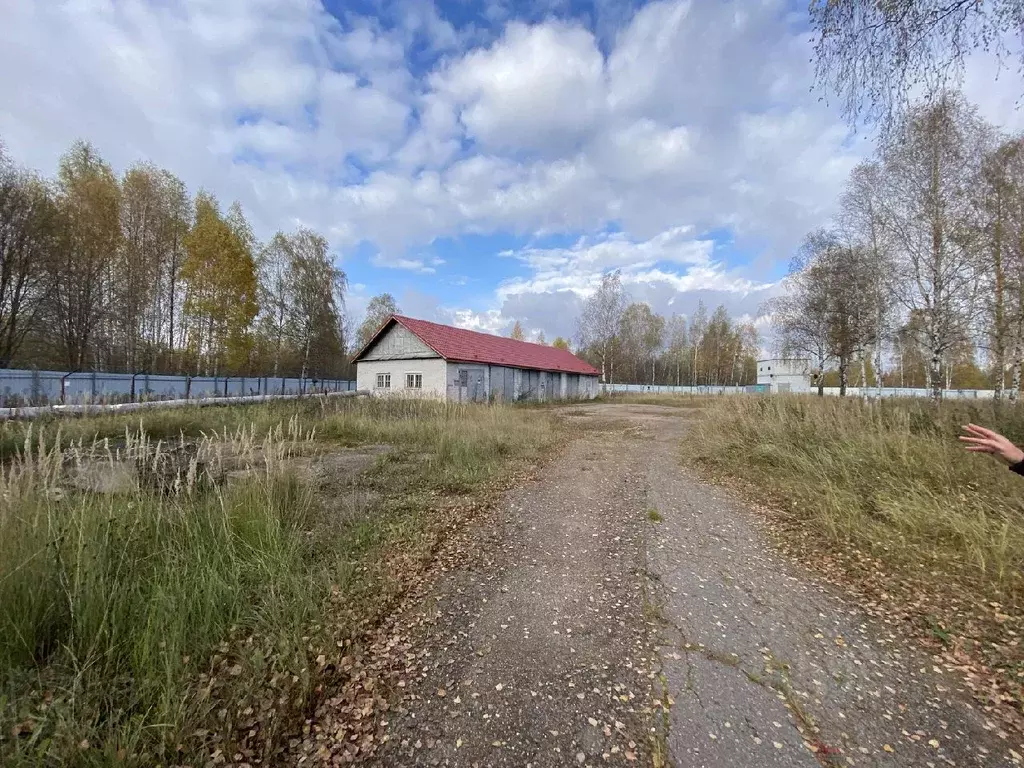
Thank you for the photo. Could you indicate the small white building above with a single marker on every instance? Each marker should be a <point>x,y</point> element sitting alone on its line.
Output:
<point>422,359</point>
<point>784,375</point>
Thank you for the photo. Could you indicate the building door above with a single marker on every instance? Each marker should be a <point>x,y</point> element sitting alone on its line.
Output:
<point>471,385</point>
<point>477,390</point>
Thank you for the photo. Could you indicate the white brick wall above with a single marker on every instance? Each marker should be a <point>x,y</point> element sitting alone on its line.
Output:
<point>433,371</point>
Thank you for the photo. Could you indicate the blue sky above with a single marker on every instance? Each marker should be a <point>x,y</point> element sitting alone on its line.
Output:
<point>485,162</point>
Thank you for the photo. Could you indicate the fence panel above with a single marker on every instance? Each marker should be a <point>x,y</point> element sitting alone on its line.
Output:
<point>19,388</point>
<point>661,389</point>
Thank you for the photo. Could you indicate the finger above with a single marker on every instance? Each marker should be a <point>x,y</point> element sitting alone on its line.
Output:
<point>982,431</point>
<point>979,449</point>
<point>976,440</point>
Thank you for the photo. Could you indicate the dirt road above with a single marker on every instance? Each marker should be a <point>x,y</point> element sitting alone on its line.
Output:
<point>626,613</point>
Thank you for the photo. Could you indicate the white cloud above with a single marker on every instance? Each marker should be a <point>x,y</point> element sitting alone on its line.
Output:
<point>539,88</point>
<point>565,138</point>
<point>579,267</point>
<point>684,117</point>
<point>489,321</point>
<point>423,266</point>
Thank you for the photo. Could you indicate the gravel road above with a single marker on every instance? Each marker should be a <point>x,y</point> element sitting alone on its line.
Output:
<point>626,613</point>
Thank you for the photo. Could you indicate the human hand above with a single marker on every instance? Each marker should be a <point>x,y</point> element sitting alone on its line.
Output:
<point>981,440</point>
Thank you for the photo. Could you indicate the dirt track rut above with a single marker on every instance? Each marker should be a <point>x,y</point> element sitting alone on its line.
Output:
<point>592,635</point>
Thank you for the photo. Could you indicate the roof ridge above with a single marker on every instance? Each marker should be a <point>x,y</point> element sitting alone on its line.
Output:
<point>486,334</point>
<point>470,346</point>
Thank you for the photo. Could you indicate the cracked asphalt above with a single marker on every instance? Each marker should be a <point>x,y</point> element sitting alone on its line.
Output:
<point>624,612</point>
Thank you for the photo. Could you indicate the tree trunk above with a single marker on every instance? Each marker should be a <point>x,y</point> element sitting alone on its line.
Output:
<point>935,375</point>
<point>1018,366</point>
<point>305,356</point>
<point>844,375</point>
<point>878,369</point>
<point>821,375</point>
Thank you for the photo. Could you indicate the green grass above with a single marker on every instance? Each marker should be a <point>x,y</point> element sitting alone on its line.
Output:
<point>145,627</point>
<point>889,480</point>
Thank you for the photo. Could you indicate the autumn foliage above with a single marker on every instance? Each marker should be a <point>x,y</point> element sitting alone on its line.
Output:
<point>132,274</point>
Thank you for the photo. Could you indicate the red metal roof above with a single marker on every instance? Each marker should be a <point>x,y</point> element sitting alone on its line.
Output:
<point>462,346</point>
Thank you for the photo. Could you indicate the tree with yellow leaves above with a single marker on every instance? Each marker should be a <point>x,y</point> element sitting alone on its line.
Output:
<point>219,274</point>
<point>89,234</point>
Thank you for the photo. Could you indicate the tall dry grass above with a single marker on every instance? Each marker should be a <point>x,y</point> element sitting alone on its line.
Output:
<point>134,617</point>
<point>887,476</point>
<point>886,491</point>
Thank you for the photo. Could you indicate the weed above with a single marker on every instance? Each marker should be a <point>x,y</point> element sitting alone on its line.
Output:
<point>164,578</point>
<point>887,490</point>
<point>654,515</point>
<point>938,631</point>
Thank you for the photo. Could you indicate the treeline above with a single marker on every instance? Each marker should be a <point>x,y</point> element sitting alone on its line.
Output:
<point>629,343</point>
<point>132,273</point>
<point>919,280</point>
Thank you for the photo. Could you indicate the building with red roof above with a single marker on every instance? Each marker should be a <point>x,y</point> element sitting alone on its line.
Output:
<point>417,357</point>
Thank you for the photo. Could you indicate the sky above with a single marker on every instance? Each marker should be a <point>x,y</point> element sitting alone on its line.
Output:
<point>484,162</point>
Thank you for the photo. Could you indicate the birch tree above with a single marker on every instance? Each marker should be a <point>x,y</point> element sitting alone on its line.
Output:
<point>318,287</point>
<point>861,221</point>
<point>599,323</point>
<point>875,55</point>
<point>277,292</point>
<point>88,200</point>
<point>800,318</point>
<point>698,327</point>
<point>1014,258</point>
<point>930,166</point>
<point>221,288</point>
<point>677,338</point>
<point>380,308</point>
<point>139,265</point>
<point>998,190</point>
<point>176,223</point>
<point>28,236</point>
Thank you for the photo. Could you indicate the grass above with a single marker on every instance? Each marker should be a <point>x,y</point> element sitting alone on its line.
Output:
<point>156,623</point>
<point>670,400</point>
<point>888,493</point>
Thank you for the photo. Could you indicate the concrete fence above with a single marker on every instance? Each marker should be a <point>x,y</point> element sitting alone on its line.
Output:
<point>25,388</point>
<point>664,389</point>
<point>87,409</point>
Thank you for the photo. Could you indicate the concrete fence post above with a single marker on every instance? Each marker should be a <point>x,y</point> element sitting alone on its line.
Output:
<point>35,388</point>
<point>63,386</point>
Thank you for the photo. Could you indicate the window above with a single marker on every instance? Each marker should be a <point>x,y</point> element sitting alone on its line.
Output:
<point>383,381</point>
<point>414,381</point>
<point>463,378</point>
